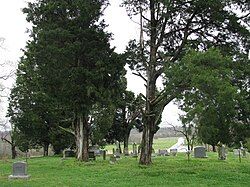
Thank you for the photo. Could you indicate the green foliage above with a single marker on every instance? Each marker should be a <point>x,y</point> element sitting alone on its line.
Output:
<point>210,97</point>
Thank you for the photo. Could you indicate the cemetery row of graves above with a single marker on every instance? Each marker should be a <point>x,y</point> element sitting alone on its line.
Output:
<point>114,156</point>
<point>168,165</point>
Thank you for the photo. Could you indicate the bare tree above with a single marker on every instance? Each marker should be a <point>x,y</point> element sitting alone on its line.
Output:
<point>189,131</point>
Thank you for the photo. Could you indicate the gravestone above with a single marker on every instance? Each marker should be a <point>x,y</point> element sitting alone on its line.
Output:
<point>173,152</point>
<point>200,152</point>
<point>117,153</point>
<point>222,152</point>
<point>68,153</point>
<point>162,152</point>
<point>112,159</point>
<point>126,153</point>
<point>92,155</point>
<point>236,152</point>
<point>95,149</point>
<point>134,153</point>
<point>19,171</point>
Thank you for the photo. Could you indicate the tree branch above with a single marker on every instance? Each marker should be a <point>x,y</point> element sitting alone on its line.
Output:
<point>140,75</point>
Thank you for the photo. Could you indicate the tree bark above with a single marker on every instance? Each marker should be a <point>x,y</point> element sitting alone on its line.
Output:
<point>46,149</point>
<point>126,137</point>
<point>13,151</point>
<point>82,138</point>
<point>214,148</point>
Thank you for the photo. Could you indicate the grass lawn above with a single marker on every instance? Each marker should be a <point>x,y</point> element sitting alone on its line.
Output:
<point>165,171</point>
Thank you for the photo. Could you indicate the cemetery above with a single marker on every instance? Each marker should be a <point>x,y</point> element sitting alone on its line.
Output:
<point>205,168</point>
<point>124,93</point>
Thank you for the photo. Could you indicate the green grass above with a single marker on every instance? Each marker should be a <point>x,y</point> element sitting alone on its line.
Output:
<point>165,171</point>
<point>160,143</point>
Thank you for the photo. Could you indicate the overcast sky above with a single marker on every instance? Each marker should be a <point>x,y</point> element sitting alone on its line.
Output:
<point>13,28</point>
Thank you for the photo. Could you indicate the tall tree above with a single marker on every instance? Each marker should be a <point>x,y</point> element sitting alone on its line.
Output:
<point>168,29</point>
<point>211,98</point>
<point>76,65</point>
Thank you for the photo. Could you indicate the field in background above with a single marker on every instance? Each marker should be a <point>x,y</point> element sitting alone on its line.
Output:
<point>159,143</point>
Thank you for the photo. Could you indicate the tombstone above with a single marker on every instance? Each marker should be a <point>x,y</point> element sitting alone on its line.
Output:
<point>95,149</point>
<point>19,171</point>
<point>117,153</point>
<point>222,152</point>
<point>244,152</point>
<point>92,155</point>
<point>68,153</point>
<point>236,152</point>
<point>173,152</point>
<point>126,153</point>
<point>200,152</point>
<point>162,152</point>
<point>112,159</point>
<point>134,153</point>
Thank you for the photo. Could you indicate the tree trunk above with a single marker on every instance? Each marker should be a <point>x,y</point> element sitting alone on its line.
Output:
<point>46,149</point>
<point>82,138</point>
<point>214,148</point>
<point>126,137</point>
<point>13,151</point>
<point>146,146</point>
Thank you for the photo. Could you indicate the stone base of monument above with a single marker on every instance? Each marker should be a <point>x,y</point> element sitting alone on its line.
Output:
<point>19,171</point>
<point>26,177</point>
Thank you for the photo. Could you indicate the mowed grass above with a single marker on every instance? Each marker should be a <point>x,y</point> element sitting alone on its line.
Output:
<point>165,171</point>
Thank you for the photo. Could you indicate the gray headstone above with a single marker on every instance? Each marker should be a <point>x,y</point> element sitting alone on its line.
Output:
<point>126,153</point>
<point>117,153</point>
<point>19,171</point>
<point>236,152</point>
<point>163,152</point>
<point>173,152</point>
<point>96,150</point>
<point>92,155</point>
<point>112,159</point>
<point>200,152</point>
<point>222,152</point>
<point>68,153</point>
<point>134,153</point>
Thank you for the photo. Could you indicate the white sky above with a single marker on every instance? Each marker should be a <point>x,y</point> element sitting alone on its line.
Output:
<point>13,27</point>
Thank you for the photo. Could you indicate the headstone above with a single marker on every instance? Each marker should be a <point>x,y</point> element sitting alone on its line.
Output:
<point>95,149</point>
<point>222,152</point>
<point>236,152</point>
<point>163,152</point>
<point>112,159</point>
<point>173,152</point>
<point>126,153</point>
<point>244,152</point>
<point>117,154</point>
<point>92,155</point>
<point>68,153</point>
<point>19,171</point>
<point>134,153</point>
<point>200,152</point>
